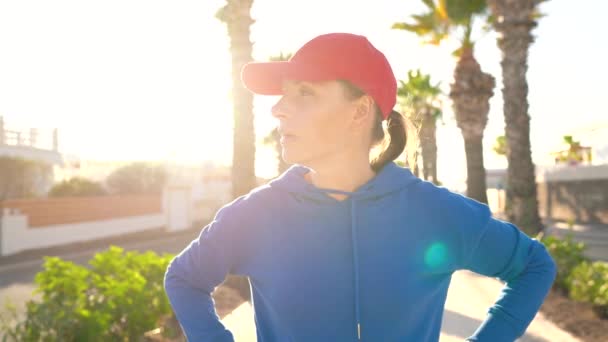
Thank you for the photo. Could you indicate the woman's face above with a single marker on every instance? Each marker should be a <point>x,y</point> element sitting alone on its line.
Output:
<point>316,122</point>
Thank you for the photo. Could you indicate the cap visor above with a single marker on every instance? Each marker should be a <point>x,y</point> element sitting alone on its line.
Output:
<point>266,78</point>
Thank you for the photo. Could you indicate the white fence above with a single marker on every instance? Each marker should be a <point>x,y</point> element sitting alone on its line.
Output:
<point>182,206</point>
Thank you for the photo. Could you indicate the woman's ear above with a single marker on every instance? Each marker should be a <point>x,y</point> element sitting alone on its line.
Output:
<point>364,110</point>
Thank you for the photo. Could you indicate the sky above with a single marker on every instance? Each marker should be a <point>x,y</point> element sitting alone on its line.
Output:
<point>150,80</point>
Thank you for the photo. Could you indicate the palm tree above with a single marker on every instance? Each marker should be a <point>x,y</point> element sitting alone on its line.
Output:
<point>500,146</point>
<point>236,14</point>
<point>575,152</point>
<point>419,94</point>
<point>280,57</point>
<point>514,21</point>
<point>472,88</point>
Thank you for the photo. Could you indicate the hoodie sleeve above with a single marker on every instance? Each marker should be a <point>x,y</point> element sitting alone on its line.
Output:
<point>501,250</point>
<point>193,274</point>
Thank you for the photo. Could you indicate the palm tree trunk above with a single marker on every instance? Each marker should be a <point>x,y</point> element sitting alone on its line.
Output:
<point>514,25</point>
<point>470,94</point>
<point>476,173</point>
<point>428,143</point>
<point>237,16</point>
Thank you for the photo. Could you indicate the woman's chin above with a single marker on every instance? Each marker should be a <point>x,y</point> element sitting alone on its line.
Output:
<point>290,157</point>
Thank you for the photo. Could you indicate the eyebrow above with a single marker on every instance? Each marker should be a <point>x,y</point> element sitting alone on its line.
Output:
<point>300,83</point>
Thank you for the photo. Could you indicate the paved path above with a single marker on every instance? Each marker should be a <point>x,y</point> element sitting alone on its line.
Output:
<point>469,297</point>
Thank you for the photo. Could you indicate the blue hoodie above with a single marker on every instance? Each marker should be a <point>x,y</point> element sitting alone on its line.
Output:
<point>373,267</point>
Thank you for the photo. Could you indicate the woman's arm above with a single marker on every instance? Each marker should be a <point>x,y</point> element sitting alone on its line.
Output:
<point>503,251</point>
<point>194,273</point>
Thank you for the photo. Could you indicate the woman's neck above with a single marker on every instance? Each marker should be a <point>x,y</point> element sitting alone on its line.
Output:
<point>340,176</point>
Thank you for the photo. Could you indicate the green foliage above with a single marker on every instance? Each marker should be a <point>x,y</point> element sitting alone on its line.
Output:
<point>567,254</point>
<point>272,138</point>
<point>575,153</point>
<point>281,57</point>
<point>588,282</point>
<point>461,11</point>
<point>419,94</point>
<point>118,298</point>
<point>77,186</point>
<point>19,178</point>
<point>445,18</point>
<point>500,146</point>
<point>419,86</point>
<point>580,278</point>
<point>137,178</point>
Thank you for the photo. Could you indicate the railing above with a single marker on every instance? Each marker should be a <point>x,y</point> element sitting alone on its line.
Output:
<point>29,138</point>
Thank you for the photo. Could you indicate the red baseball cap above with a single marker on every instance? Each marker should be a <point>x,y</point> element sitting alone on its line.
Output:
<point>328,57</point>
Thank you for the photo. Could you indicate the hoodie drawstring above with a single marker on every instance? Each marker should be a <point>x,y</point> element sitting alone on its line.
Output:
<point>353,228</point>
<point>355,265</point>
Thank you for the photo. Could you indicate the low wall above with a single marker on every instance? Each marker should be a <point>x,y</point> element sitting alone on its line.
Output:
<point>18,236</point>
<point>565,193</point>
<point>42,212</point>
<point>41,223</point>
<point>575,193</point>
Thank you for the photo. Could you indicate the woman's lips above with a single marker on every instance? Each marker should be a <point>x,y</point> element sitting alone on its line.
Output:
<point>287,138</point>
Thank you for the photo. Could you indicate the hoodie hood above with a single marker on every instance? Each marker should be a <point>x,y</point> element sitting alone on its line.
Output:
<point>390,178</point>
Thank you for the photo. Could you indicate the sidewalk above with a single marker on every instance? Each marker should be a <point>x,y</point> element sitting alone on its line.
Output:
<point>469,297</point>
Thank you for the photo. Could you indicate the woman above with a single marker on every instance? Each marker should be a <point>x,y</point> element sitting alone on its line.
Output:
<point>339,248</point>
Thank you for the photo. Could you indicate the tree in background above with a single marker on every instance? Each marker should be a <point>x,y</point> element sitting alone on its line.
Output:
<point>422,96</point>
<point>514,21</point>
<point>236,14</point>
<point>22,178</point>
<point>137,178</point>
<point>472,88</point>
<point>280,57</point>
<point>574,154</point>
<point>500,146</point>
<point>77,186</point>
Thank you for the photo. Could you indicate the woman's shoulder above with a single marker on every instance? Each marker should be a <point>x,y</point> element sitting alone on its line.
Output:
<point>448,204</point>
<point>250,205</point>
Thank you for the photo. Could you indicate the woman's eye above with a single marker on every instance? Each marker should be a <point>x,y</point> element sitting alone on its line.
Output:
<point>306,92</point>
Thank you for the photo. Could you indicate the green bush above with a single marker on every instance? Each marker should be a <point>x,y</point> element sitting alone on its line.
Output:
<point>118,298</point>
<point>588,282</point>
<point>77,186</point>
<point>137,178</point>
<point>567,254</point>
<point>23,178</point>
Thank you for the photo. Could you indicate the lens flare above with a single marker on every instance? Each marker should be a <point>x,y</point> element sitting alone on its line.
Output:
<point>435,255</point>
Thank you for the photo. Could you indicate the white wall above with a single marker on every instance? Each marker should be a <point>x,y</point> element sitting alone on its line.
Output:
<point>178,208</point>
<point>573,173</point>
<point>179,211</point>
<point>16,236</point>
<point>181,206</point>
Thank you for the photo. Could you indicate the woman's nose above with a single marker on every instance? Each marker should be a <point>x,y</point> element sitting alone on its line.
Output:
<point>278,110</point>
